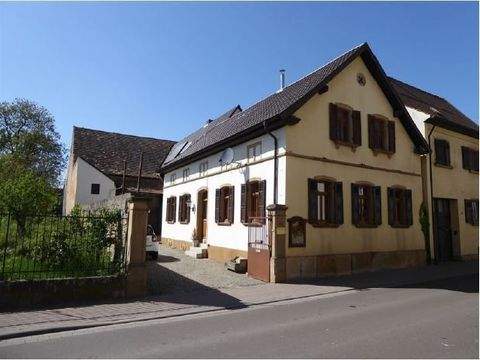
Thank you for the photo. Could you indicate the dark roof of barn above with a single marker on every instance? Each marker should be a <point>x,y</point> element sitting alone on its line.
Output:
<point>437,107</point>
<point>277,109</point>
<point>106,151</point>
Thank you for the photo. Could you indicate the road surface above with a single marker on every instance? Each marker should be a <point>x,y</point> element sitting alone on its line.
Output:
<point>435,320</point>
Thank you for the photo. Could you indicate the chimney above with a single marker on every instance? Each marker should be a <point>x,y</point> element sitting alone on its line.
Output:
<point>282,79</point>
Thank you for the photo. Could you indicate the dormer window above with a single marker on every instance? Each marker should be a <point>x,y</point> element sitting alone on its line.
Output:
<point>345,125</point>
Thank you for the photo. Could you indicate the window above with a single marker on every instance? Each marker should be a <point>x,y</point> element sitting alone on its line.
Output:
<point>224,205</point>
<point>399,207</point>
<point>296,232</point>
<point>325,203</point>
<point>442,152</point>
<point>253,202</point>
<point>173,177</point>
<point>254,151</point>
<point>345,125</point>
<point>471,211</point>
<point>171,209</point>
<point>470,159</point>
<point>366,205</point>
<point>95,189</point>
<point>184,209</point>
<point>381,134</point>
<point>186,174</point>
<point>202,168</point>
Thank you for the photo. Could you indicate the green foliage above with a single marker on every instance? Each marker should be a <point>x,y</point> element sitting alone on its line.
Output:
<point>28,137</point>
<point>424,220</point>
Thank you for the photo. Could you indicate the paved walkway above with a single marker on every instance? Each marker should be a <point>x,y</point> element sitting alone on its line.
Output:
<point>41,321</point>
<point>175,272</point>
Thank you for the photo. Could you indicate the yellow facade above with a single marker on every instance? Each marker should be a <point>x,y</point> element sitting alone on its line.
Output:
<point>457,184</point>
<point>310,153</point>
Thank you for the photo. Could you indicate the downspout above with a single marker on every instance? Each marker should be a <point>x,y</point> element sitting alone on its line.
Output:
<point>431,201</point>
<point>275,162</point>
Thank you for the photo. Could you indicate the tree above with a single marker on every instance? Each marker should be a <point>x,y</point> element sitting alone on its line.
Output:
<point>29,139</point>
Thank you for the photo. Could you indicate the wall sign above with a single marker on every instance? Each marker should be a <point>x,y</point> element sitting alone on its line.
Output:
<point>296,232</point>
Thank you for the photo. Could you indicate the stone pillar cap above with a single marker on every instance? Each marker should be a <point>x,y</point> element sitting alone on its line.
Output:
<point>277,207</point>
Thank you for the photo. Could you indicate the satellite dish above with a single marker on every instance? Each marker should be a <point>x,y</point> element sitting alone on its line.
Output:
<point>227,157</point>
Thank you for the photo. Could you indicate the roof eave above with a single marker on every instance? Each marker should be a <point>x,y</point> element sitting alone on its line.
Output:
<point>443,122</point>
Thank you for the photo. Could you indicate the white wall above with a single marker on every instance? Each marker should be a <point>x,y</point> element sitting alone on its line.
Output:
<point>418,118</point>
<point>234,236</point>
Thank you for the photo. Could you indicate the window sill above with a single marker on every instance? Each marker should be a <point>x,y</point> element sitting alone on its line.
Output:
<point>366,226</point>
<point>339,143</point>
<point>473,171</point>
<point>382,151</point>
<point>399,226</point>
<point>297,246</point>
<point>253,224</point>
<point>443,166</point>
<point>323,225</point>
<point>170,222</point>
<point>184,222</point>
<point>224,223</point>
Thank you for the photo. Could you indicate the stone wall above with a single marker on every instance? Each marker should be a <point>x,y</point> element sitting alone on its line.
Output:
<point>37,293</point>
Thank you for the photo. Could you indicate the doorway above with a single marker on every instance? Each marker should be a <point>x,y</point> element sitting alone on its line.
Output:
<point>444,233</point>
<point>202,209</point>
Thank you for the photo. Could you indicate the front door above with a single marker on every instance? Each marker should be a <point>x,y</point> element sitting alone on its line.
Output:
<point>202,215</point>
<point>443,225</point>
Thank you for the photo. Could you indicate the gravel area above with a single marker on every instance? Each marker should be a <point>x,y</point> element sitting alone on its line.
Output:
<point>176,272</point>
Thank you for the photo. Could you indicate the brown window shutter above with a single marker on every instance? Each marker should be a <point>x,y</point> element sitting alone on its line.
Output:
<point>355,205</point>
<point>217,205</point>
<point>312,200</point>
<point>391,136</point>
<point>408,207</point>
<point>187,199</point>
<point>174,207</point>
<point>333,122</point>
<point>465,162</point>
<point>475,160</point>
<point>243,204</point>
<point>391,206</point>
<point>371,132</point>
<point>338,193</point>
<point>377,202</point>
<point>231,205</point>
<point>447,151</point>
<point>468,212</point>
<point>262,185</point>
<point>357,128</point>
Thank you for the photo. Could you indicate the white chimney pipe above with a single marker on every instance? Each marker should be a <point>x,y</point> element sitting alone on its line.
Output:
<point>282,79</point>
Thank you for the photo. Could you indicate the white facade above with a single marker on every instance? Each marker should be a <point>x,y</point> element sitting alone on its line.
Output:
<point>240,171</point>
<point>80,177</point>
<point>418,118</point>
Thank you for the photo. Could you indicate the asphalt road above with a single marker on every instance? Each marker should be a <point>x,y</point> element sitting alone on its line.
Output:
<point>431,320</point>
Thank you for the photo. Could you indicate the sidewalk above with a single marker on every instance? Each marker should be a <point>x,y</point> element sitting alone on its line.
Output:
<point>44,321</point>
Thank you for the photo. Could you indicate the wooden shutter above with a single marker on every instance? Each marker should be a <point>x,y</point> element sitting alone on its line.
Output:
<point>447,152</point>
<point>408,207</point>
<point>187,217</point>
<point>377,204</point>
<point>312,200</point>
<point>174,207</point>
<point>357,128</point>
<point>333,122</point>
<point>438,151</point>
<point>217,205</point>
<point>371,132</point>
<point>465,158</point>
<point>243,204</point>
<point>262,186</point>
<point>468,212</point>
<point>391,136</point>
<point>474,160</point>
<point>338,194</point>
<point>231,205</point>
<point>391,206</point>
<point>355,205</point>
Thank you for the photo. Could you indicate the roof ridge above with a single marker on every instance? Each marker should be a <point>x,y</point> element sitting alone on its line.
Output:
<point>122,134</point>
<point>417,88</point>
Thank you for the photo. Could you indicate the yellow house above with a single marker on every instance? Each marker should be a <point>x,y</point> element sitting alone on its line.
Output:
<point>322,177</point>
<point>450,173</point>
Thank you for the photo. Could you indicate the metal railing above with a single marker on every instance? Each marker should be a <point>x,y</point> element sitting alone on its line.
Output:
<point>52,246</point>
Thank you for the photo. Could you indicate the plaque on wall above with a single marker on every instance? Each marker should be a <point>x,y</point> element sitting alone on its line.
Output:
<point>296,232</point>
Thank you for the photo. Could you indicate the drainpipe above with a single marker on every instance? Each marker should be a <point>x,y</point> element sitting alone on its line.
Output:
<point>275,163</point>
<point>431,202</point>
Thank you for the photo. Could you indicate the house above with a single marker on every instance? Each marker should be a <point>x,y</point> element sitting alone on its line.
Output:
<point>321,177</point>
<point>104,164</point>
<point>450,172</point>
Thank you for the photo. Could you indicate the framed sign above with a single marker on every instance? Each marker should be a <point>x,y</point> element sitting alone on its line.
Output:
<point>296,232</point>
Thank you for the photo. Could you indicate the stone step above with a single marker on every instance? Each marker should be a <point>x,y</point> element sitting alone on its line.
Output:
<point>196,252</point>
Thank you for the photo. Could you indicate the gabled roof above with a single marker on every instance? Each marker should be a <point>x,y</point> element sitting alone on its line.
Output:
<point>440,110</point>
<point>277,109</point>
<point>106,151</point>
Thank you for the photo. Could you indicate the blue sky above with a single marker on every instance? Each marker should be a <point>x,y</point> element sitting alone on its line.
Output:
<point>163,69</point>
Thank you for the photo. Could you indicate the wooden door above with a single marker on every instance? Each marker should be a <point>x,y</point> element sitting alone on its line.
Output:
<point>443,225</point>
<point>202,215</point>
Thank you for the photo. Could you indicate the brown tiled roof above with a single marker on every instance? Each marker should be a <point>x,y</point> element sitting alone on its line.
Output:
<point>106,151</point>
<point>277,109</point>
<point>433,105</point>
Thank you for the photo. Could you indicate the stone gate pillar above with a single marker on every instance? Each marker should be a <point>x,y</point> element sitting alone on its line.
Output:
<point>137,233</point>
<point>278,240</point>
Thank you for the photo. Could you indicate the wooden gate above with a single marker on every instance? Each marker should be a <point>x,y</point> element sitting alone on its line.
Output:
<point>258,265</point>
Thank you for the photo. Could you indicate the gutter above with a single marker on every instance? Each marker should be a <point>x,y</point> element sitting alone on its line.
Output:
<point>435,245</point>
<point>275,163</point>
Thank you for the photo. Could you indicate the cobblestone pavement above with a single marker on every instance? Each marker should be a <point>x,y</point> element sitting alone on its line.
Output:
<point>176,272</point>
